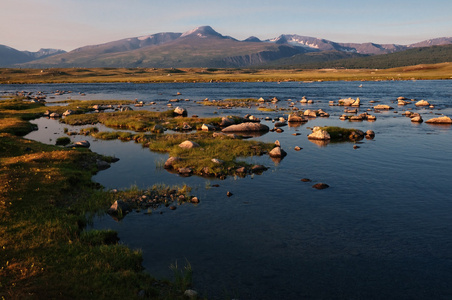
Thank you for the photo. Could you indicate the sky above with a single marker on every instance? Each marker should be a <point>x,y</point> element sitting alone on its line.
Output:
<point>70,24</point>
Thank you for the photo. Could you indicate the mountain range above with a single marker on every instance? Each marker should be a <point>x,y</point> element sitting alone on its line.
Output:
<point>203,47</point>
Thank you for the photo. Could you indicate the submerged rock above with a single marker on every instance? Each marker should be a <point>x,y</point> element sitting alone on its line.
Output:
<point>320,186</point>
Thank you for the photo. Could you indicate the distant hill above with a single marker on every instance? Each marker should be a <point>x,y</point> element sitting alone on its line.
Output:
<point>204,47</point>
<point>425,55</point>
<point>10,56</point>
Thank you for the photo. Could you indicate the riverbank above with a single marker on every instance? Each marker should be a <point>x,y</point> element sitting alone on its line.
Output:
<point>151,75</point>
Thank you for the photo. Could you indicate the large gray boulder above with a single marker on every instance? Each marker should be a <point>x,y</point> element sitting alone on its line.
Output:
<point>247,127</point>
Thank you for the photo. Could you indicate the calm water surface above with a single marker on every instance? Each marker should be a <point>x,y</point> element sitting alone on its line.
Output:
<point>381,231</point>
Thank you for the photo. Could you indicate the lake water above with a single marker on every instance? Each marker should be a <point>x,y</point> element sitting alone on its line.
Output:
<point>382,230</point>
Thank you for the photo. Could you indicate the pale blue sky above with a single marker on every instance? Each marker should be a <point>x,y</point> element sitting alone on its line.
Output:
<point>69,24</point>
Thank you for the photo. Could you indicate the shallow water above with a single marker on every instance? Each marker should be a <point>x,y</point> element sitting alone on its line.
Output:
<point>381,230</point>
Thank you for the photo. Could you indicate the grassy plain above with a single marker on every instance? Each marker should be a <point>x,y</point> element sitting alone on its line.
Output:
<point>146,75</point>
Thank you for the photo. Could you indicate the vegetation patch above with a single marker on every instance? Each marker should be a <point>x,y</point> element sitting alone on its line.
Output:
<point>46,199</point>
<point>244,102</point>
<point>343,134</point>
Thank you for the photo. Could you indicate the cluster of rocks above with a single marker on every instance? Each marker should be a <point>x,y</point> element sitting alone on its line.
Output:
<point>361,117</point>
<point>347,102</point>
<point>150,199</point>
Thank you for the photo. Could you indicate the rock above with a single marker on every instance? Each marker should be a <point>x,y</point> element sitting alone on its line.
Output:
<point>440,120</point>
<point>169,164</point>
<point>158,128</point>
<point>307,112</point>
<point>82,144</point>
<point>247,127</point>
<point>185,171</point>
<point>194,200</point>
<point>54,115</point>
<point>349,102</point>
<point>186,126</point>
<point>172,207</point>
<point>225,122</point>
<point>320,186</point>
<point>126,108</point>
<point>258,168</point>
<point>306,180</point>
<point>383,107</point>
<point>355,146</point>
<point>357,102</point>
<point>297,148</point>
<point>241,170</point>
<point>47,113</point>
<point>68,112</point>
<point>277,152</point>
<point>217,161</point>
<point>207,127</point>
<point>188,145</point>
<point>229,194</point>
<point>370,134</point>
<point>296,119</point>
<point>280,124</point>
<point>118,208</point>
<point>371,118</point>
<point>180,111</point>
<point>422,103</point>
<point>319,134</point>
<point>417,119</point>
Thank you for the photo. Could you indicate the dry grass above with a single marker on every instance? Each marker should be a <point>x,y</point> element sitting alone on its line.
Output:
<point>142,75</point>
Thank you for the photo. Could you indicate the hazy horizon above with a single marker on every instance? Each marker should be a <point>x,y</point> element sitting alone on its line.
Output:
<point>69,24</point>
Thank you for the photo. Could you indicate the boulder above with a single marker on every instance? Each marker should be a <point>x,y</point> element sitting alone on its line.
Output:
<point>225,122</point>
<point>68,112</point>
<point>383,107</point>
<point>349,102</point>
<point>422,103</point>
<point>417,119</point>
<point>319,134</point>
<point>82,144</point>
<point>277,152</point>
<point>247,127</point>
<point>217,161</point>
<point>370,134</point>
<point>258,168</point>
<point>185,171</point>
<point>180,111</point>
<point>207,127</point>
<point>188,145</point>
<point>54,115</point>
<point>119,208</point>
<point>169,164</point>
<point>440,120</point>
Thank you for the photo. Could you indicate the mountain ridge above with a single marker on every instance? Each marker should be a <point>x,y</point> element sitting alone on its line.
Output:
<point>200,47</point>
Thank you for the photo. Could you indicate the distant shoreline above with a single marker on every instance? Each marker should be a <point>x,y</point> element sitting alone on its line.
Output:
<point>441,71</point>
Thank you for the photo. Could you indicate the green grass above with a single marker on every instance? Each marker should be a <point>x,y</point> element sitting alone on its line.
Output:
<point>339,133</point>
